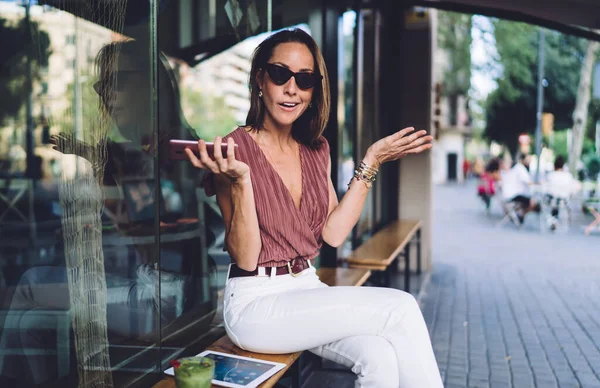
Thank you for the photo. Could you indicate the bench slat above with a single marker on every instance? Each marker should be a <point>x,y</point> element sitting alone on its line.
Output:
<point>381,249</point>
<point>343,276</point>
<point>372,267</point>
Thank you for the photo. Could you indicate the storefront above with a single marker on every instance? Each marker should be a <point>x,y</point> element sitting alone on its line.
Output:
<point>111,255</point>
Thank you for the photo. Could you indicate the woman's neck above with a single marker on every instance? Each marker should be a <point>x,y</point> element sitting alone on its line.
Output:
<point>272,135</point>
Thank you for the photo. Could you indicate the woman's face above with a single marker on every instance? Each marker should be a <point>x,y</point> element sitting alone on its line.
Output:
<point>286,103</point>
<point>131,100</point>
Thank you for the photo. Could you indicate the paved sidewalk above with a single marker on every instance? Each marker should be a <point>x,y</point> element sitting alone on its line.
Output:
<point>507,307</point>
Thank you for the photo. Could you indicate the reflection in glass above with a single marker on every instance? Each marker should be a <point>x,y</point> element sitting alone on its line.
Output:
<point>58,282</point>
<point>86,286</point>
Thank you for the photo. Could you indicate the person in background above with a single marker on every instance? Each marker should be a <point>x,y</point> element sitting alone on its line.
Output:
<point>477,167</point>
<point>560,185</point>
<point>487,182</point>
<point>516,187</point>
<point>466,168</point>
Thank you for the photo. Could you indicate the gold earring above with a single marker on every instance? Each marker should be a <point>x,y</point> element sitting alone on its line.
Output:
<point>260,93</point>
<point>310,104</point>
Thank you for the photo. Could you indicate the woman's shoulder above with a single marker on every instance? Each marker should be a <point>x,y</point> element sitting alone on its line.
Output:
<point>320,152</point>
<point>237,132</point>
<point>324,147</point>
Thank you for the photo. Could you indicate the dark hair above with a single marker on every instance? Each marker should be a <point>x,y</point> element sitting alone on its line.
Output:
<point>493,165</point>
<point>559,162</point>
<point>522,157</point>
<point>310,126</point>
<point>107,62</point>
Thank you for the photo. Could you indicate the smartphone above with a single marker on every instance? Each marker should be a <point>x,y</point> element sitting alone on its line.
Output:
<point>177,149</point>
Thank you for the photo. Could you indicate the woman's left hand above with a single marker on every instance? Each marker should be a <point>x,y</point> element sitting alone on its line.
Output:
<point>396,146</point>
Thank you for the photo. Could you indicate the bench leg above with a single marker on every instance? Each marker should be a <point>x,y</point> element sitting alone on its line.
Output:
<point>387,273</point>
<point>316,361</point>
<point>296,374</point>
<point>407,268</point>
<point>419,252</point>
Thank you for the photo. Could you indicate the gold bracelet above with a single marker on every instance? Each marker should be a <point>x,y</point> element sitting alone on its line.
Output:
<point>367,168</point>
<point>364,173</point>
<point>367,183</point>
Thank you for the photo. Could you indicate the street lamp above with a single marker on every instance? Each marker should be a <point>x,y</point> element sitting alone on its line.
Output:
<point>540,102</point>
<point>596,96</point>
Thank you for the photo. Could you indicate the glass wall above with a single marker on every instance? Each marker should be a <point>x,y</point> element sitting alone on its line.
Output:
<point>100,236</point>
<point>346,109</point>
<point>358,111</point>
<point>111,257</point>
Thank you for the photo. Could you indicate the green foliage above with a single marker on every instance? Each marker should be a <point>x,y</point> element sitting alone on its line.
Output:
<point>208,115</point>
<point>559,144</point>
<point>19,40</point>
<point>454,36</point>
<point>593,167</point>
<point>511,108</point>
<point>90,108</point>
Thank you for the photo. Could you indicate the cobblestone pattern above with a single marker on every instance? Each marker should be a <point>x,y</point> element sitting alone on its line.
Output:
<point>511,308</point>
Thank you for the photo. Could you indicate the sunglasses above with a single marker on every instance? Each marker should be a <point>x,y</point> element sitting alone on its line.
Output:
<point>280,75</point>
<point>120,81</point>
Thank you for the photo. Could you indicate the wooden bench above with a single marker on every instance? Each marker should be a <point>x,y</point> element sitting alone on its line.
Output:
<point>329,276</point>
<point>343,276</point>
<point>385,246</point>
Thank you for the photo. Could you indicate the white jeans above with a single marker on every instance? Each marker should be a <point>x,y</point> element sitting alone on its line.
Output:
<point>378,332</point>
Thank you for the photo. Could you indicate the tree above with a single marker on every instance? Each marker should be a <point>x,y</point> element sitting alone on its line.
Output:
<point>208,115</point>
<point>582,103</point>
<point>18,42</point>
<point>511,108</point>
<point>454,37</point>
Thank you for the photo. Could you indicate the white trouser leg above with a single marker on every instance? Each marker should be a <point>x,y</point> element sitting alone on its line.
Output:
<point>286,314</point>
<point>371,358</point>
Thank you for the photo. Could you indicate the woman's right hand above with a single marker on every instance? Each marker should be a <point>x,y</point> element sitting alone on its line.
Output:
<point>225,165</point>
<point>66,143</point>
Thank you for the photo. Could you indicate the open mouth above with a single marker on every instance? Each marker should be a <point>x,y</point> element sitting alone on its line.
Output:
<point>288,105</point>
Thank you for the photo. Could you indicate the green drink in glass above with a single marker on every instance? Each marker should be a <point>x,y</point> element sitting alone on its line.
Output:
<point>194,372</point>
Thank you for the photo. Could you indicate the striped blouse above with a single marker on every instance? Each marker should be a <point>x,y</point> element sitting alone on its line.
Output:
<point>286,232</point>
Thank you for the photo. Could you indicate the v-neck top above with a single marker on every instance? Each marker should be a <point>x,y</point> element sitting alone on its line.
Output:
<point>286,232</point>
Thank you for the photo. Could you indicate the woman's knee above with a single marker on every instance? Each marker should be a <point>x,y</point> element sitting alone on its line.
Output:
<point>407,308</point>
<point>403,301</point>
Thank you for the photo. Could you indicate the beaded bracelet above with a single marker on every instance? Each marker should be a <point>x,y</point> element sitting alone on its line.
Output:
<point>364,173</point>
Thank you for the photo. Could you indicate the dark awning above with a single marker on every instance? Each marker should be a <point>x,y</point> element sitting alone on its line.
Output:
<point>579,17</point>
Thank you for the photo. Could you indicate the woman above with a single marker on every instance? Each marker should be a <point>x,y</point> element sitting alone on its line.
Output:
<point>279,205</point>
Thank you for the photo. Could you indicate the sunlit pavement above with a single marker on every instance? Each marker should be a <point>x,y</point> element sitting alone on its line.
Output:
<point>510,307</point>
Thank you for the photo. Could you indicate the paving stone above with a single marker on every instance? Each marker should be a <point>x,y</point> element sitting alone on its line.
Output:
<point>505,303</point>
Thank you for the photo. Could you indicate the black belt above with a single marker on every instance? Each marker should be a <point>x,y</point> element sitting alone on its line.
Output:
<point>293,267</point>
